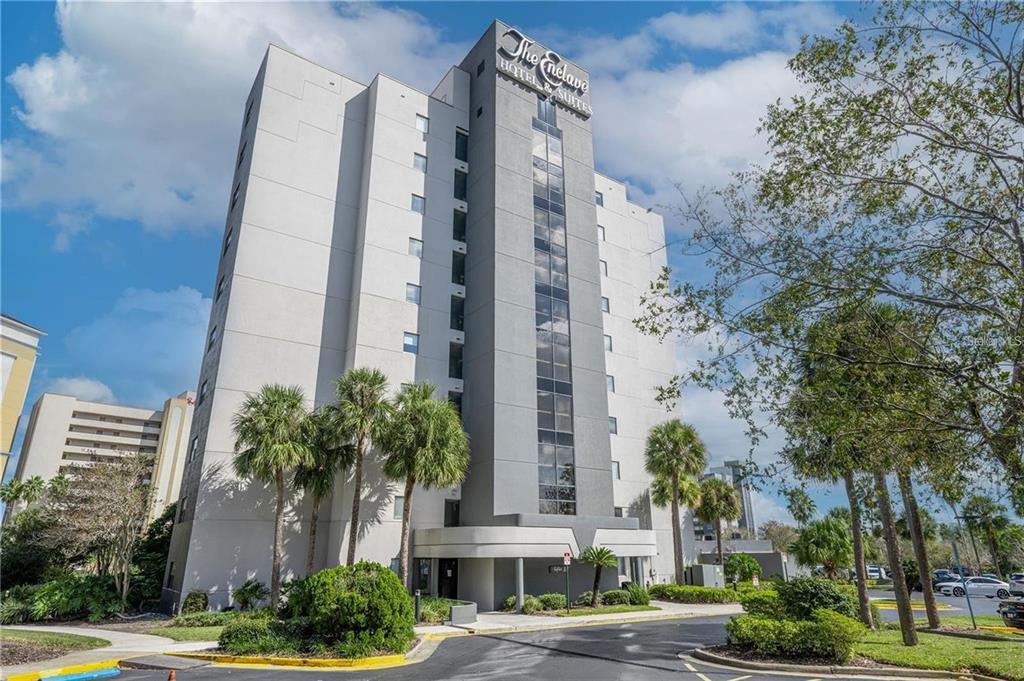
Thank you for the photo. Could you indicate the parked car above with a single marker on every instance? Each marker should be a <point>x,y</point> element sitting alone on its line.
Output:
<point>1013,613</point>
<point>1017,584</point>
<point>876,572</point>
<point>942,576</point>
<point>976,586</point>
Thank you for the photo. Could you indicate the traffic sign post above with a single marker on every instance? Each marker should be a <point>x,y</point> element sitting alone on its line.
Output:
<point>566,561</point>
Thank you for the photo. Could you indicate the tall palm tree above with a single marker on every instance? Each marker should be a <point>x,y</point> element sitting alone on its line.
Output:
<point>270,440</point>
<point>363,412</point>
<point>800,505</point>
<point>675,452</point>
<point>423,444</point>
<point>718,502</point>
<point>10,491</point>
<point>826,542</point>
<point>32,490</point>
<point>598,557</point>
<point>329,454</point>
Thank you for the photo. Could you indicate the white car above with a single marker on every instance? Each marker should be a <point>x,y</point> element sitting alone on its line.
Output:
<point>875,572</point>
<point>976,586</point>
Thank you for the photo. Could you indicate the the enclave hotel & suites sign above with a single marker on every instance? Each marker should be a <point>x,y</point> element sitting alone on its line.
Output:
<point>543,70</point>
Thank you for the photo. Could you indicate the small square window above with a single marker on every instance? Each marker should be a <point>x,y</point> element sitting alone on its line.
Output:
<point>461,146</point>
<point>616,471</point>
<point>419,162</point>
<point>193,448</point>
<point>418,204</point>
<point>599,198</point>
<point>620,512</point>
<point>411,343</point>
<point>227,241</point>
<point>461,185</point>
<point>220,287</point>
<point>459,226</point>
<point>415,247</point>
<point>608,343</point>
<point>213,338</point>
<point>600,232</point>
<point>202,392</point>
<point>412,293</point>
<point>613,425</point>
<point>604,267</point>
<point>480,67</point>
<point>610,380</point>
<point>399,508</point>
<point>605,305</point>
<point>479,112</point>
<point>422,123</point>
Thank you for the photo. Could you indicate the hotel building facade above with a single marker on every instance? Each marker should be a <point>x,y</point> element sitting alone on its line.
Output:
<point>460,237</point>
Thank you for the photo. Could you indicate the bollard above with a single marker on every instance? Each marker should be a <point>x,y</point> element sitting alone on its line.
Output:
<point>417,595</point>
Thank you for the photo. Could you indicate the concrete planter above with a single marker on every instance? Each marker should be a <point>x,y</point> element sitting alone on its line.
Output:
<point>463,613</point>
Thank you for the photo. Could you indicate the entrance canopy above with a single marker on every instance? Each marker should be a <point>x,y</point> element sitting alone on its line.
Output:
<point>525,542</point>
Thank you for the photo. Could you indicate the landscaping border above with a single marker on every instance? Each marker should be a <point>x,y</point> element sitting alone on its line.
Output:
<point>811,669</point>
<point>376,662</point>
<point>89,670</point>
<point>977,636</point>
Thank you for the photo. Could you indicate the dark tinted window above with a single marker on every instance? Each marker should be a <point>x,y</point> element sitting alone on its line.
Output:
<point>458,268</point>
<point>461,146</point>
<point>461,180</point>
<point>459,226</point>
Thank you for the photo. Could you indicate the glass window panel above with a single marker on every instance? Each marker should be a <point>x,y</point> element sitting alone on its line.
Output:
<point>608,343</point>
<point>549,507</point>
<point>558,221</point>
<point>544,304</point>
<point>540,144</point>
<point>554,146</point>
<point>540,217</point>
<point>566,475</point>
<point>563,423</point>
<point>540,232</point>
<point>422,123</point>
<point>412,293</point>
<point>566,508</point>
<point>540,175</point>
<point>418,204</point>
<point>548,492</point>
<point>561,404</point>
<point>560,325</point>
<point>610,380</point>
<point>557,250</point>
<point>564,456</point>
<point>544,346</point>
<point>567,493</point>
<point>547,475</point>
<point>560,280</point>
<point>546,455</point>
<point>562,373</point>
<point>461,146</point>
<point>560,339</point>
<point>613,425</point>
<point>561,354</point>
<point>458,225</point>
<point>540,190</point>
<point>461,185</point>
<point>557,236</point>
<point>545,420</point>
<point>540,163</point>
<point>546,436</point>
<point>559,265</point>
<point>605,305</point>
<point>559,308</point>
<point>410,342</point>
<point>544,370</point>
<point>419,162</point>
<point>565,439</point>
<point>545,401</point>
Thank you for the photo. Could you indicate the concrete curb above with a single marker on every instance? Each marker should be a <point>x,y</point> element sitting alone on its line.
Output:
<point>79,671</point>
<point>972,635</point>
<point>419,652</point>
<point>809,669</point>
<point>564,623</point>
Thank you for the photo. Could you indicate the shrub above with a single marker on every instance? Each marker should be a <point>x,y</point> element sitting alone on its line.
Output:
<point>828,635</point>
<point>584,598</point>
<point>803,595</point>
<point>16,605</point>
<point>552,601</point>
<point>763,604</point>
<point>435,610</point>
<point>509,603</point>
<point>196,601</point>
<point>76,595</point>
<point>358,608</point>
<point>250,593</point>
<point>258,636</point>
<point>638,595</point>
<point>532,604</point>
<point>207,619</point>
<point>741,566</point>
<point>693,594</point>
<point>615,597</point>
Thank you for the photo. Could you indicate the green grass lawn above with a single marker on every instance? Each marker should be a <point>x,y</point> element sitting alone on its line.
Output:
<point>46,638</point>
<point>188,633</point>
<point>1005,660</point>
<point>602,610</point>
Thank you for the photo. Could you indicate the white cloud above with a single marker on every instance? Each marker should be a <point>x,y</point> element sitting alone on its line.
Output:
<point>138,113</point>
<point>150,344</point>
<point>69,225</point>
<point>769,508</point>
<point>82,387</point>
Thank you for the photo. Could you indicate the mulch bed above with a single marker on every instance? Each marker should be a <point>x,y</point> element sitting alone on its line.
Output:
<point>14,651</point>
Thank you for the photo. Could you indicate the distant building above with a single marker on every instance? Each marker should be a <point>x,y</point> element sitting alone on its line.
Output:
<point>65,433</point>
<point>743,528</point>
<point>19,345</point>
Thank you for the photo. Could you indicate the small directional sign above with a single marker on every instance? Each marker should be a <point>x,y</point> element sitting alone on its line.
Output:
<point>557,569</point>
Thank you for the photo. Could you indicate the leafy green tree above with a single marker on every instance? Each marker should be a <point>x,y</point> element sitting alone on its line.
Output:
<point>32,490</point>
<point>10,491</point>
<point>364,411</point>
<point>800,505</point>
<point>779,534</point>
<point>150,560</point>
<point>598,557</point>
<point>424,444</point>
<point>825,542</point>
<point>987,518</point>
<point>270,441</point>
<point>741,566</point>
<point>674,452</point>
<point>719,502</point>
<point>330,453</point>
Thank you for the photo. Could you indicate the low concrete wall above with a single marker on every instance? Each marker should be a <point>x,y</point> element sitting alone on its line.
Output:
<point>464,613</point>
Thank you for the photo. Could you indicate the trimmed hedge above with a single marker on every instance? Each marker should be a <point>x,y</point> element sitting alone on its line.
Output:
<point>615,597</point>
<point>532,604</point>
<point>195,601</point>
<point>827,635</point>
<point>763,604</point>
<point>583,599</point>
<point>803,595</point>
<point>693,594</point>
<point>552,601</point>
<point>638,595</point>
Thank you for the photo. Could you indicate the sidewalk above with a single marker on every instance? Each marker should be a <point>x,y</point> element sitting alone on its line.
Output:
<point>504,622</point>
<point>122,645</point>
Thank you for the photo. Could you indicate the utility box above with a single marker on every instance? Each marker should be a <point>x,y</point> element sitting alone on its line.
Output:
<point>704,575</point>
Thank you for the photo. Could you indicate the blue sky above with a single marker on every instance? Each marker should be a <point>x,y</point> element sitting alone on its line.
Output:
<point>120,123</point>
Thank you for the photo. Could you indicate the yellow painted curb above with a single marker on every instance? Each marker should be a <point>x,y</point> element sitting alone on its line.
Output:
<point>63,671</point>
<point>316,663</point>
<point>1003,630</point>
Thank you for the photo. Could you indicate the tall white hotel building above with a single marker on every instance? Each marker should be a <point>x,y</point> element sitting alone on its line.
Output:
<point>460,237</point>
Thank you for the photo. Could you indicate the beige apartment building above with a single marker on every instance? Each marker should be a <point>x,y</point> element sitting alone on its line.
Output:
<point>19,345</point>
<point>65,432</point>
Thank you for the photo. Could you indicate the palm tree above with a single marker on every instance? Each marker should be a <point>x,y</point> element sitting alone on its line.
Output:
<point>329,454</point>
<point>800,505</point>
<point>988,518</point>
<point>825,542</point>
<point>674,452</point>
<point>718,502</point>
<point>32,490</point>
<point>270,440</point>
<point>10,491</point>
<point>363,412</point>
<point>423,444</point>
<point>598,557</point>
